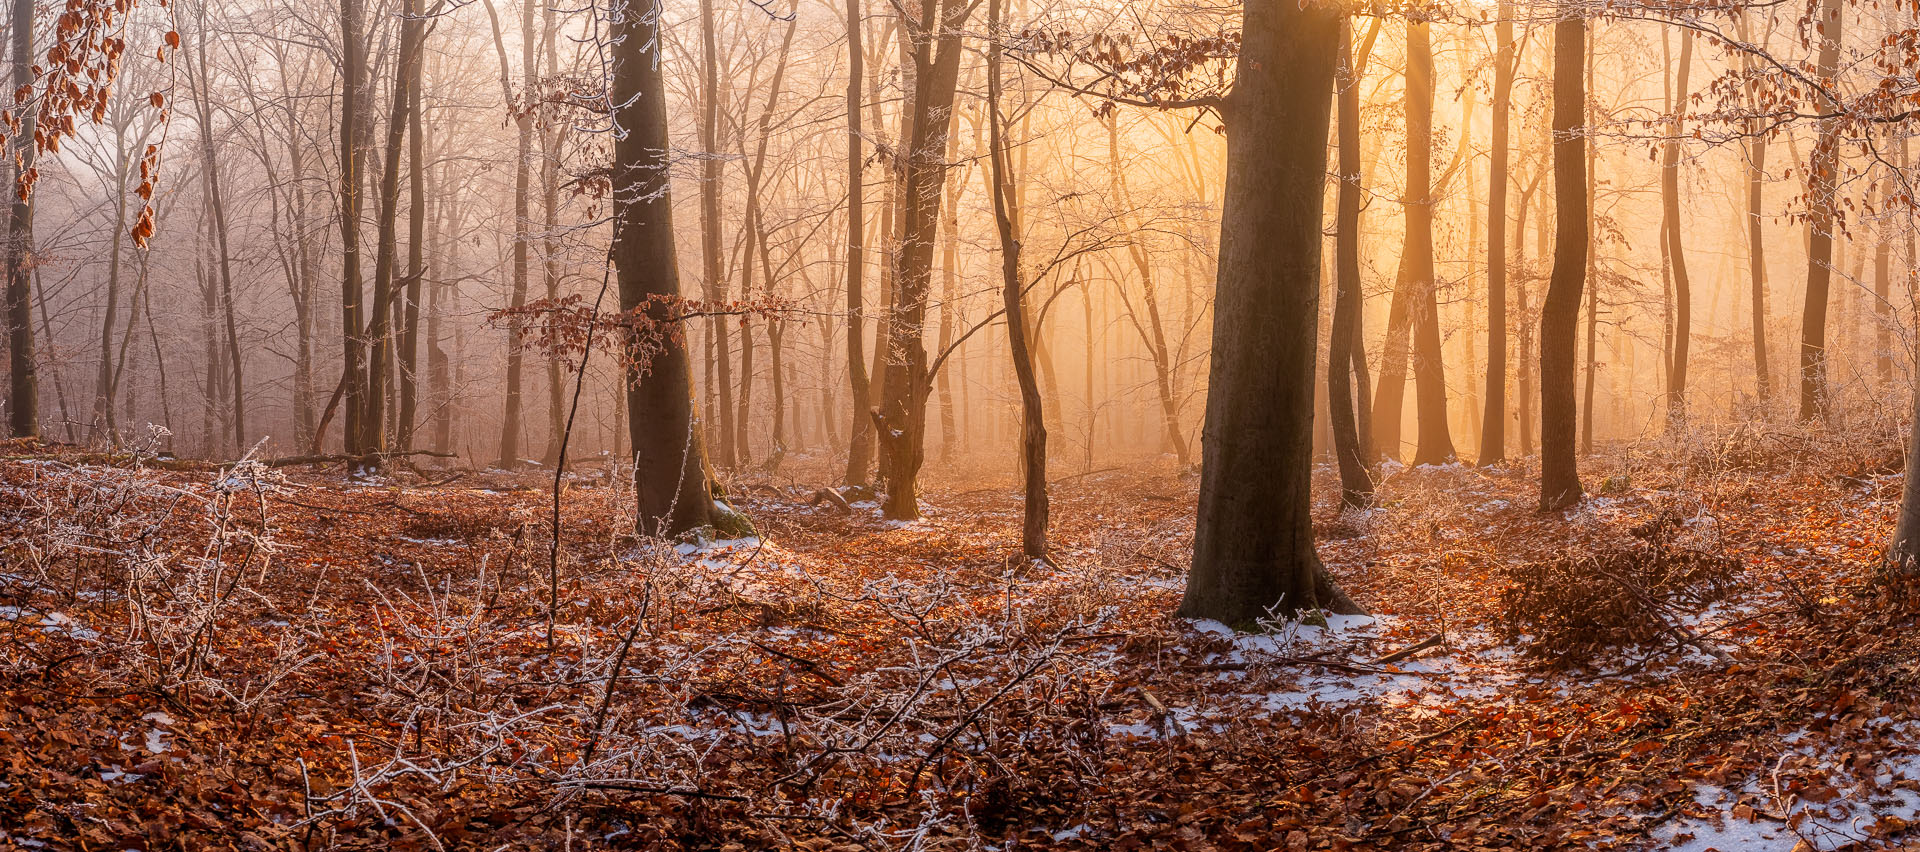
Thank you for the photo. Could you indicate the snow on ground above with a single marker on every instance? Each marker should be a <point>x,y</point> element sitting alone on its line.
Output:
<point>1824,797</point>
<point>50,622</point>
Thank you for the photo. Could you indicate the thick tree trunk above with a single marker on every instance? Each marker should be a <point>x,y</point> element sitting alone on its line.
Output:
<point>1821,198</point>
<point>1253,541</point>
<point>1560,311</point>
<point>935,55</point>
<point>670,461</point>
<point>1033,444</point>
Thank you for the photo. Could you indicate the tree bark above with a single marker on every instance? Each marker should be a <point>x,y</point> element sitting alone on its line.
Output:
<point>521,109</point>
<point>670,475</point>
<point>936,48</point>
<point>353,379</point>
<point>1821,192</point>
<point>1676,254</point>
<point>1253,540</point>
<point>861,435</point>
<point>1356,478</point>
<point>23,389</point>
<point>1033,531</point>
<point>1429,364</point>
<point>1493,420</point>
<point>1560,311</point>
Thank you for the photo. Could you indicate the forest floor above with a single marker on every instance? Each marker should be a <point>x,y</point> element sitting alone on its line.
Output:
<point>1699,657</point>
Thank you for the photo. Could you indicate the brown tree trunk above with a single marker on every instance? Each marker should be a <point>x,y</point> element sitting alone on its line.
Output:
<point>1493,420</point>
<point>1033,444</point>
<point>1676,254</point>
<point>380,330</point>
<point>861,436</point>
<point>352,158</point>
<point>1560,311</point>
<point>712,177</point>
<point>935,39</point>
<point>670,461</point>
<point>521,109</point>
<point>1429,364</point>
<point>23,391</point>
<point>1253,541</point>
<point>408,414</point>
<point>1356,479</point>
<point>1756,244</point>
<point>1821,191</point>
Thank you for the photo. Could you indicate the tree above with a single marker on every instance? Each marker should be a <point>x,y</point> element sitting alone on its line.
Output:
<point>861,436</point>
<point>1822,201</point>
<point>1671,232</point>
<point>1756,244</point>
<point>353,381</point>
<point>670,480</point>
<point>1033,531</point>
<point>713,274</point>
<point>521,108</point>
<point>1493,428</point>
<point>1253,540</point>
<point>1343,343</point>
<point>935,42</point>
<point>1560,310</point>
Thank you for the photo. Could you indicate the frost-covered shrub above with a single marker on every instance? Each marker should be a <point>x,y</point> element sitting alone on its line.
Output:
<point>1574,609</point>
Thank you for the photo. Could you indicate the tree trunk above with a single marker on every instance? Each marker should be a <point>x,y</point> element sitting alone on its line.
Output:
<point>1493,420</point>
<point>1429,365</point>
<point>861,436</point>
<point>1756,244</point>
<point>712,178</point>
<point>936,50</point>
<point>414,59</point>
<point>1356,480</point>
<point>1253,540</point>
<point>1033,531</point>
<point>353,379</point>
<point>1560,311</point>
<point>23,391</point>
<point>1676,254</point>
<point>521,109</point>
<point>380,359</point>
<point>670,462</point>
<point>1821,192</point>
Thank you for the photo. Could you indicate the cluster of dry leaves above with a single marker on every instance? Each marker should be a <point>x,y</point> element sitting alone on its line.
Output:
<point>245,658</point>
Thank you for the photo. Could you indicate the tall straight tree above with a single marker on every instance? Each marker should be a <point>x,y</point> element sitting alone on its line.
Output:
<point>713,272</point>
<point>416,229</point>
<point>934,39</point>
<point>23,384</point>
<point>1429,365</point>
<point>1560,310</point>
<point>1343,344</point>
<point>1756,244</point>
<point>670,459</point>
<point>1676,253</point>
<point>380,331</point>
<point>861,444</point>
<point>353,382</point>
<point>1033,442</point>
<point>521,108</point>
<point>1821,198</point>
<point>1253,542</point>
<point>1493,428</point>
